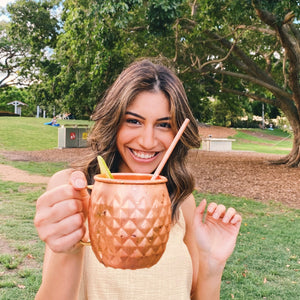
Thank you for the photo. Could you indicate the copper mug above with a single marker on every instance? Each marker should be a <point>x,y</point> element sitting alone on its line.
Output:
<point>129,220</point>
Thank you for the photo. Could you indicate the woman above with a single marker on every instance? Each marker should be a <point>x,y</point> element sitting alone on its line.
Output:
<point>135,123</point>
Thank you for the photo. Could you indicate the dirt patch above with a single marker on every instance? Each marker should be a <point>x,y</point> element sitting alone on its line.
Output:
<point>206,131</point>
<point>245,174</point>
<point>242,174</point>
<point>9,173</point>
<point>54,155</point>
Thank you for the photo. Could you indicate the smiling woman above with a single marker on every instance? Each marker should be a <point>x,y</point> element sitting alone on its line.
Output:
<point>135,123</point>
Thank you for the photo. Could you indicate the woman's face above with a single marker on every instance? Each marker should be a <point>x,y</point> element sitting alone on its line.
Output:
<point>145,133</point>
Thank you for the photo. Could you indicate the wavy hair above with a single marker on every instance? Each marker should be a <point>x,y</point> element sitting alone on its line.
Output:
<point>144,76</point>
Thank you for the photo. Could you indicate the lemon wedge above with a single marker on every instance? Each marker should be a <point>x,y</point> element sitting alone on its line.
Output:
<point>103,167</point>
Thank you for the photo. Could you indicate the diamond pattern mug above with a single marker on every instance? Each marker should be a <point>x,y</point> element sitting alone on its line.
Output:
<point>129,219</point>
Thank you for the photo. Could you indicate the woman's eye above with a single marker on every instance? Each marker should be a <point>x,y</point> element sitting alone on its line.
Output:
<point>132,121</point>
<point>165,125</point>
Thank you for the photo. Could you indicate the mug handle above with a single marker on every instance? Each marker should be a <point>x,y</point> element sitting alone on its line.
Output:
<point>88,243</point>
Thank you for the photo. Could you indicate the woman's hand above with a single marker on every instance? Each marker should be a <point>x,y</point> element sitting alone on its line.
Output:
<point>216,233</point>
<point>60,213</point>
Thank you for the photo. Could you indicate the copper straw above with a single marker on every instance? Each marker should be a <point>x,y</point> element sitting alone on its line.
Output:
<point>170,149</point>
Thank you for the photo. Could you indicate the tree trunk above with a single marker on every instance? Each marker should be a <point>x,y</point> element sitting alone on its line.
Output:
<point>293,158</point>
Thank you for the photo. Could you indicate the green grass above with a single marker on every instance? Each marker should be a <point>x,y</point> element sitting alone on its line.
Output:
<point>21,249</point>
<point>28,134</point>
<point>264,265</point>
<point>266,261</point>
<point>21,133</point>
<point>247,142</point>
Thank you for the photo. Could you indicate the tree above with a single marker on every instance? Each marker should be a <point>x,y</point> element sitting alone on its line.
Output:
<point>99,38</point>
<point>26,41</point>
<point>11,51</point>
<point>229,49</point>
<point>254,55</point>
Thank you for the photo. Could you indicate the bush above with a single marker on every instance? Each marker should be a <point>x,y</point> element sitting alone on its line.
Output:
<point>245,124</point>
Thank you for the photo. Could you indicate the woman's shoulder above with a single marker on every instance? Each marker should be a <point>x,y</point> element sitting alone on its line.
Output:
<point>188,207</point>
<point>60,178</point>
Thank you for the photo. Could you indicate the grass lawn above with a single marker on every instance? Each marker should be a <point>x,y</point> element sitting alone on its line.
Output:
<point>22,251</point>
<point>266,260</point>
<point>27,134</point>
<point>264,265</point>
<point>246,142</point>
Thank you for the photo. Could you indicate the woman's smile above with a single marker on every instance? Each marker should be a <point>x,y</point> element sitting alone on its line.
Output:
<point>142,154</point>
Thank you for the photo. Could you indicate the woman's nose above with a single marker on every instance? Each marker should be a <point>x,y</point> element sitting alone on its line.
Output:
<point>148,138</point>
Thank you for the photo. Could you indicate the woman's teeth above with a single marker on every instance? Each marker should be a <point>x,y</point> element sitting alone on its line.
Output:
<point>143,155</point>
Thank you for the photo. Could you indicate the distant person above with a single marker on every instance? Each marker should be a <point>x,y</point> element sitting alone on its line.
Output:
<point>66,116</point>
<point>135,123</point>
<point>54,121</point>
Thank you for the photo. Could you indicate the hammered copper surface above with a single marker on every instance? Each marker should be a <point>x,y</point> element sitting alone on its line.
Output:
<point>129,220</point>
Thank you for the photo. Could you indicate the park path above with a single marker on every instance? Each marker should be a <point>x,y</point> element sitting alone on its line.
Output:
<point>9,173</point>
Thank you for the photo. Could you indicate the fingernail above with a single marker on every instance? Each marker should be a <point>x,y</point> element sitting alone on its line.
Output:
<point>80,183</point>
<point>225,219</point>
<point>216,216</point>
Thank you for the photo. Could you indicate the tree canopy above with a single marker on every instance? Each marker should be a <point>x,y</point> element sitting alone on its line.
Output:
<point>230,50</point>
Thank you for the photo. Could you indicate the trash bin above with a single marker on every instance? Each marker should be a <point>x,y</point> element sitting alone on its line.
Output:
<point>72,136</point>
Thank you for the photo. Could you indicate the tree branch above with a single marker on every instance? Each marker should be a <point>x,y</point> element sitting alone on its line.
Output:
<point>250,95</point>
<point>289,38</point>
<point>244,62</point>
<point>276,90</point>
<point>256,28</point>
<point>216,61</point>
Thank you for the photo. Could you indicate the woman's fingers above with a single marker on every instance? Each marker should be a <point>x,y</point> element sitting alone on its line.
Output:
<point>199,212</point>
<point>66,242</point>
<point>236,219</point>
<point>79,183</point>
<point>54,233</point>
<point>78,180</point>
<point>230,213</point>
<point>59,211</point>
<point>60,214</point>
<point>219,211</point>
<point>216,211</point>
<point>58,194</point>
<point>57,204</point>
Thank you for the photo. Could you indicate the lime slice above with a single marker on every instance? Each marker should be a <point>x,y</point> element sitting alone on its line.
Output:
<point>103,167</point>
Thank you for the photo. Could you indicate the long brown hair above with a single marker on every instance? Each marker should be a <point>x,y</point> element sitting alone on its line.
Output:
<point>144,76</point>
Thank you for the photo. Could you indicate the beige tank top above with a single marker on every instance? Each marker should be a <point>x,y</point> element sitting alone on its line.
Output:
<point>170,278</point>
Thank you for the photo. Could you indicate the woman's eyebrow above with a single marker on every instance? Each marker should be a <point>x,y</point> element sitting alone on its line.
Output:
<point>139,116</point>
<point>134,114</point>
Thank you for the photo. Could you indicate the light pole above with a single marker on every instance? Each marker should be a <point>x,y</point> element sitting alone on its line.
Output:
<point>263,115</point>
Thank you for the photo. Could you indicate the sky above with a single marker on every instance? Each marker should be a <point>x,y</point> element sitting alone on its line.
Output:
<point>4,2</point>
<point>3,5</point>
